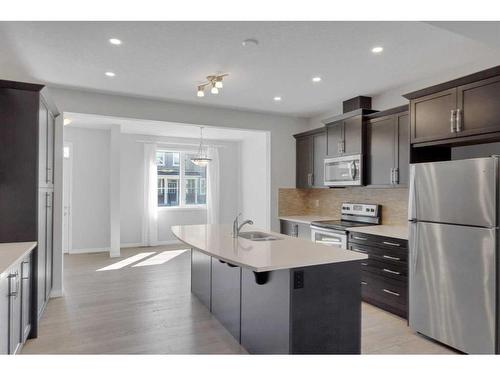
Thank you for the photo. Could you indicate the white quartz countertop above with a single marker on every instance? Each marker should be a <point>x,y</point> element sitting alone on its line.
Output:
<point>288,252</point>
<point>306,219</point>
<point>12,252</point>
<point>394,231</point>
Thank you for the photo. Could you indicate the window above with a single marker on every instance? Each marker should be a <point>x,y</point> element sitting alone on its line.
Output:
<point>180,182</point>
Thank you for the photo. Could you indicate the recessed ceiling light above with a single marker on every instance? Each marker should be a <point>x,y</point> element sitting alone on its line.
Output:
<point>110,74</point>
<point>250,42</point>
<point>67,121</point>
<point>115,41</point>
<point>316,79</point>
<point>277,98</point>
<point>377,49</point>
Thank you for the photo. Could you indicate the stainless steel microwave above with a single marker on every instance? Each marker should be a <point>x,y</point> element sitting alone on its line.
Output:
<point>344,171</point>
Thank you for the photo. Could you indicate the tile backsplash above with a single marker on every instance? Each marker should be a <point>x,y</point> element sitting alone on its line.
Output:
<point>327,202</point>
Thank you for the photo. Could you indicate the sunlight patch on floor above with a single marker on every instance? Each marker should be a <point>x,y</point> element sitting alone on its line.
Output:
<point>125,262</point>
<point>160,258</point>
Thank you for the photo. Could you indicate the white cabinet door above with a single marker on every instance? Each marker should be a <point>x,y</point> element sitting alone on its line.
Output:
<point>42,145</point>
<point>42,248</point>
<point>15,310</point>
<point>26,297</point>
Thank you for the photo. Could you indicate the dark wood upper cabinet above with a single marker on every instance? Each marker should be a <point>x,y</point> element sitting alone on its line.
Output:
<point>319,155</point>
<point>310,152</point>
<point>353,135</point>
<point>381,150</point>
<point>465,110</point>
<point>403,147</point>
<point>388,148</point>
<point>479,106</point>
<point>432,116</point>
<point>345,137</point>
<point>304,163</point>
<point>335,138</point>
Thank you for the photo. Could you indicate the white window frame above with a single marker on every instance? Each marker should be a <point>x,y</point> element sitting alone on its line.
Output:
<point>182,183</point>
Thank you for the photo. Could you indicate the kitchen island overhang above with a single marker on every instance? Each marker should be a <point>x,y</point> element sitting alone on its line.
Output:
<point>281,296</point>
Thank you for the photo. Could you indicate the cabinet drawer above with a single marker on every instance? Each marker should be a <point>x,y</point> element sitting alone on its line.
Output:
<point>397,271</point>
<point>390,255</point>
<point>380,241</point>
<point>384,290</point>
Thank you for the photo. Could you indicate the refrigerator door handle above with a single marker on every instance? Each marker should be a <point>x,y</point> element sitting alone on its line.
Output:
<point>414,247</point>
<point>412,204</point>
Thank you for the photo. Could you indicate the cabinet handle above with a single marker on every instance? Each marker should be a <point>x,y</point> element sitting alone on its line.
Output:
<point>22,270</point>
<point>391,271</point>
<point>458,126</point>
<point>392,176</point>
<point>390,243</point>
<point>391,258</point>
<point>14,276</point>
<point>361,251</point>
<point>452,121</point>
<point>359,238</point>
<point>309,179</point>
<point>364,283</point>
<point>364,264</point>
<point>396,176</point>
<point>390,292</point>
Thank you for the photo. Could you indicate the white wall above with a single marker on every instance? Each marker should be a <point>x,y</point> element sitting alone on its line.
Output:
<point>281,128</point>
<point>90,207</point>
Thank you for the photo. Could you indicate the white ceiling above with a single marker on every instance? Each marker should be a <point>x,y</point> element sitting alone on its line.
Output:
<point>157,128</point>
<point>167,59</point>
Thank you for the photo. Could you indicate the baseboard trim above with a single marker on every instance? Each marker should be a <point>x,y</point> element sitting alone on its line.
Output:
<point>131,244</point>
<point>91,250</point>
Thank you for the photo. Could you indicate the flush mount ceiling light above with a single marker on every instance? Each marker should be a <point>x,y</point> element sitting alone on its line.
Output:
<point>67,121</point>
<point>110,74</point>
<point>316,79</point>
<point>277,98</point>
<point>115,41</point>
<point>214,82</point>
<point>250,42</point>
<point>377,49</point>
<point>201,158</point>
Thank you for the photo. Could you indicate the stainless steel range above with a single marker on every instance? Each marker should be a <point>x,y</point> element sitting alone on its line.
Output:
<point>334,232</point>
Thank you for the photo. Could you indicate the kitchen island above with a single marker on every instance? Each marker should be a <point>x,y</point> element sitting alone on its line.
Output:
<point>286,295</point>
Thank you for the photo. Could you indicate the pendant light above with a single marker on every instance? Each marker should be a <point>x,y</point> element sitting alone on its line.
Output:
<point>201,158</point>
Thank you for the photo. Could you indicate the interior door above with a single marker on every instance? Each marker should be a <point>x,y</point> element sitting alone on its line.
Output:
<point>478,103</point>
<point>50,244</point>
<point>41,248</point>
<point>452,285</point>
<point>456,192</point>
<point>431,116</point>
<point>67,188</point>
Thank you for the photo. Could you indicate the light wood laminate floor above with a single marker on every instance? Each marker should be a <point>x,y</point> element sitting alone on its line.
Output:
<point>146,307</point>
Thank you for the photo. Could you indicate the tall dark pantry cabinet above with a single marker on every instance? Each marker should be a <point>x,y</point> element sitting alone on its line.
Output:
<point>27,124</point>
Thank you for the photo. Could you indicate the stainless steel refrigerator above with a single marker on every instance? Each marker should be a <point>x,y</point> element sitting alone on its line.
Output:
<point>453,264</point>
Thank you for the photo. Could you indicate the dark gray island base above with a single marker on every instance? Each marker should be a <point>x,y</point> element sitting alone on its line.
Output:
<point>306,310</point>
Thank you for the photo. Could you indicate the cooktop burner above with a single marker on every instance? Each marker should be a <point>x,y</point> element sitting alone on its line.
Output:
<point>339,224</point>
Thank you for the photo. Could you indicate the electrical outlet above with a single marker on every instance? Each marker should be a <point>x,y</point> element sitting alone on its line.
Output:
<point>316,203</point>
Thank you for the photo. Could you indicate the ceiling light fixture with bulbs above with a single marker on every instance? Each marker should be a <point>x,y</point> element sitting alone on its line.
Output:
<point>214,82</point>
<point>377,49</point>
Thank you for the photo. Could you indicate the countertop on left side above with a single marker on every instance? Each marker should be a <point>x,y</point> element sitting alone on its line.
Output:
<point>12,252</point>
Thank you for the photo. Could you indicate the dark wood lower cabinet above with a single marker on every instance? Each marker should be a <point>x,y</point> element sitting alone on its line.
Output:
<point>295,229</point>
<point>307,310</point>
<point>226,295</point>
<point>201,276</point>
<point>384,275</point>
